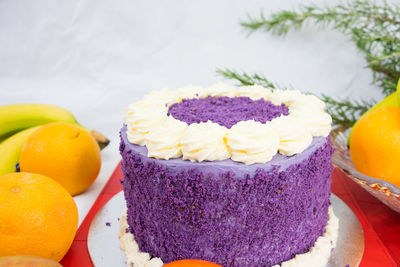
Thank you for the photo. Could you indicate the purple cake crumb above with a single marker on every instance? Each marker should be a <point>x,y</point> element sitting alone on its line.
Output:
<point>226,111</point>
<point>226,216</point>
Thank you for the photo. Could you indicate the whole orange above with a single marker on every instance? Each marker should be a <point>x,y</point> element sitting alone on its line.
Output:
<point>38,216</point>
<point>64,152</point>
<point>375,144</point>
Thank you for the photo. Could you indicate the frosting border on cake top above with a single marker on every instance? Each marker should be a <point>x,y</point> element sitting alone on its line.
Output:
<point>165,137</point>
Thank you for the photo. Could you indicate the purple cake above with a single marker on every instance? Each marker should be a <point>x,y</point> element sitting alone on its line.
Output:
<point>226,211</point>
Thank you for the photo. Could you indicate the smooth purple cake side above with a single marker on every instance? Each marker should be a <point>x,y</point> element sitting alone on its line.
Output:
<point>226,111</point>
<point>224,215</point>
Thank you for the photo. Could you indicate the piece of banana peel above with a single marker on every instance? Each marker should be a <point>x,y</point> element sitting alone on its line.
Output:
<point>100,138</point>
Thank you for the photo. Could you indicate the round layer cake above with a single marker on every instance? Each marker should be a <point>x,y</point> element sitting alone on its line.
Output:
<point>239,177</point>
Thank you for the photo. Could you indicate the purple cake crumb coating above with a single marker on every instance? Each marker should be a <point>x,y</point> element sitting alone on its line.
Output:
<point>226,111</point>
<point>227,212</point>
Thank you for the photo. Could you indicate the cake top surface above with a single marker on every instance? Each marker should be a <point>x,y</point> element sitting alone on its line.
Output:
<point>249,124</point>
<point>226,111</point>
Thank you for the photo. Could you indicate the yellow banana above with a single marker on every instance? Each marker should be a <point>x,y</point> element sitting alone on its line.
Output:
<point>10,150</point>
<point>16,117</point>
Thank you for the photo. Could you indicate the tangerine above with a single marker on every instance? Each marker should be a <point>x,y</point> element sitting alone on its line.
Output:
<point>191,263</point>
<point>64,152</point>
<point>38,216</point>
<point>375,144</point>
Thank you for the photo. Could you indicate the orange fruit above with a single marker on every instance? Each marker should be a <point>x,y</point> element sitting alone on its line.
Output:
<point>375,144</point>
<point>27,261</point>
<point>37,216</point>
<point>191,263</point>
<point>64,152</point>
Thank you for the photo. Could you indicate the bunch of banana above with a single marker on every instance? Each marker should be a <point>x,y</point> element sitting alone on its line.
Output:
<point>18,121</point>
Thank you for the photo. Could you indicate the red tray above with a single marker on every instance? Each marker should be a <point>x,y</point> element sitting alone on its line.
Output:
<point>381,224</point>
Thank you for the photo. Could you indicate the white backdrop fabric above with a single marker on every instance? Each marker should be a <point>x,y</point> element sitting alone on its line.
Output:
<point>96,57</point>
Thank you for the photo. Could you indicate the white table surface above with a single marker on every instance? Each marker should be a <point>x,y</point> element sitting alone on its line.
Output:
<point>96,57</point>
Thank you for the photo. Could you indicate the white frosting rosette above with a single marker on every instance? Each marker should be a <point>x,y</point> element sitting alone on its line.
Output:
<point>247,141</point>
<point>164,140</point>
<point>252,142</point>
<point>254,92</point>
<point>205,141</point>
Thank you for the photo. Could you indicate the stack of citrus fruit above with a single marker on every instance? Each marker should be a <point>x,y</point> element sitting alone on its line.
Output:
<point>38,215</point>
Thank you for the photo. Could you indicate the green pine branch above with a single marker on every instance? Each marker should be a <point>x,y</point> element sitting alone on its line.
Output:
<point>374,28</point>
<point>246,79</point>
<point>343,112</point>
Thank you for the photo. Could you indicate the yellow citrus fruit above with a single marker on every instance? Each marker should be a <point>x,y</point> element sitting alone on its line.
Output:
<point>64,152</point>
<point>375,144</point>
<point>37,216</point>
<point>27,261</point>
